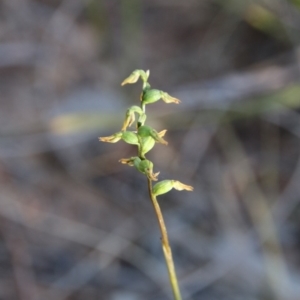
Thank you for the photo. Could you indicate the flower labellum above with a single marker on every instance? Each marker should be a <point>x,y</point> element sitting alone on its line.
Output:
<point>112,138</point>
<point>179,186</point>
<point>169,99</point>
<point>128,161</point>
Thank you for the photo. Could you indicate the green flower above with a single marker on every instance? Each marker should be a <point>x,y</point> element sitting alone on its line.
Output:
<point>147,131</point>
<point>165,186</point>
<point>145,166</point>
<point>147,143</point>
<point>152,95</point>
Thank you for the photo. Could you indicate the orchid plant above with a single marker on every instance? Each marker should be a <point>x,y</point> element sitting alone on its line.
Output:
<point>145,137</point>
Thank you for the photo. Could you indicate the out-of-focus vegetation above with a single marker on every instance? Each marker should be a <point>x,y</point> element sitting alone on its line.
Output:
<point>73,225</point>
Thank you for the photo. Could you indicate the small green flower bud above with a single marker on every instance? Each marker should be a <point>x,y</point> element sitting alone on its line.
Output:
<point>147,143</point>
<point>162,187</point>
<point>150,96</point>
<point>130,138</point>
<point>165,186</point>
<point>145,131</point>
<point>146,167</point>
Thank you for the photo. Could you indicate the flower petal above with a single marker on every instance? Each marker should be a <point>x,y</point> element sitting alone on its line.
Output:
<point>127,161</point>
<point>169,99</point>
<point>132,78</point>
<point>112,138</point>
<point>180,186</point>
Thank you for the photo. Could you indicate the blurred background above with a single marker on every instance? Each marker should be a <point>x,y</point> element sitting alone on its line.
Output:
<point>75,223</point>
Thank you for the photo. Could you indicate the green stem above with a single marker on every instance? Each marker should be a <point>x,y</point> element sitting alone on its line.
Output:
<point>165,244</point>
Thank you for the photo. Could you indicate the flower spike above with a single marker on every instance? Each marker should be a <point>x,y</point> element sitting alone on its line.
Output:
<point>145,137</point>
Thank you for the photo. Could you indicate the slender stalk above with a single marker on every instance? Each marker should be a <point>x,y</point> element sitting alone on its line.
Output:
<point>141,138</point>
<point>165,244</point>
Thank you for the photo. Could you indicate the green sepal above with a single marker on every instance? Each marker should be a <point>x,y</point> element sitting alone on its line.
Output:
<point>143,165</point>
<point>162,187</point>
<point>146,145</point>
<point>130,138</point>
<point>144,131</point>
<point>146,167</point>
<point>150,96</point>
<point>165,186</point>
